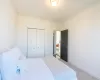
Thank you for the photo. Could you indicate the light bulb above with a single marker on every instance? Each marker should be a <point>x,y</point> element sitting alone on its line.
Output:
<point>54,3</point>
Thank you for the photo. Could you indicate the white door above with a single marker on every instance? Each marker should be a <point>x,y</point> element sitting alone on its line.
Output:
<point>32,42</point>
<point>40,42</point>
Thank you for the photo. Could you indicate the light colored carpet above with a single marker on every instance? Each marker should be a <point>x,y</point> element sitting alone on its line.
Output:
<point>80,74</point>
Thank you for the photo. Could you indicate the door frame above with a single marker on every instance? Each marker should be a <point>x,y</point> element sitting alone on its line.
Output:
<point>36,39</point>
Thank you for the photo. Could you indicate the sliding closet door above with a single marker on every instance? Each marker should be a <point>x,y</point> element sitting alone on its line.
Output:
<point>40,42</point>
<point>32,42</point>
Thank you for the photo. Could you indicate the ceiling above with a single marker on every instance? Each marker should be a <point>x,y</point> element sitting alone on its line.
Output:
<point>44,9</point>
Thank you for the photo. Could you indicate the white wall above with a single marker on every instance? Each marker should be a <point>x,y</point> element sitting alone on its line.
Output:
<point>59,26</point>
<point>84,40</point>
<point>7,25</point>
<point>25,22</point>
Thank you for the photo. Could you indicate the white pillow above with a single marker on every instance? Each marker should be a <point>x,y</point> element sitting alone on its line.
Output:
<point>17,53</point>
<point>10,60</point>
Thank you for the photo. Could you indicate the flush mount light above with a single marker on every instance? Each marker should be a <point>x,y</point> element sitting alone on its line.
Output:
<point>54,2</point>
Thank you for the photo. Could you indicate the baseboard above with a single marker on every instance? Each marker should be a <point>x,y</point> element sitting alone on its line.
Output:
<point>85,71</point>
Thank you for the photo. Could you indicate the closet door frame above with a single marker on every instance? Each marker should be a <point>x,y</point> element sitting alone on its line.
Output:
<point>36,39</point>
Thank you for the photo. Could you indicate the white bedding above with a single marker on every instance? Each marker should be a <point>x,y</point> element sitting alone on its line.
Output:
<point>34,69</point>
<point>37,69</point>
<point>59,70</point>
<point>45,69</point>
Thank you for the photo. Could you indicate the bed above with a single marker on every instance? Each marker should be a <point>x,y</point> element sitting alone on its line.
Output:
<point>48,68</point>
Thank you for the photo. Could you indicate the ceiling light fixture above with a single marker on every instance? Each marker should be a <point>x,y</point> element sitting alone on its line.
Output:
<point>54,2</point>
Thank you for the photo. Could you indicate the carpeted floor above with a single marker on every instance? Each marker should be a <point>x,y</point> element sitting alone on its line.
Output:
<point>80,74</point>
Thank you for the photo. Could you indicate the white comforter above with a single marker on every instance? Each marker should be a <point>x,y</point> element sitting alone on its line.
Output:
<point>59,70</point>
<point>34,69</point>
<point>45,69</point>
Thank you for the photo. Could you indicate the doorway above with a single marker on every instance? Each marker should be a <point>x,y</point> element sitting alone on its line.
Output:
<point>57,43</point>
<point>61,44</point>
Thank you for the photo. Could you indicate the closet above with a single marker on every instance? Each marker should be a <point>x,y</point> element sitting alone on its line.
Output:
<point>35,42</point>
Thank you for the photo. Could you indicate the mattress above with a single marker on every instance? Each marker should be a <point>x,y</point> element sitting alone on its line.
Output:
<point>59,70</point>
